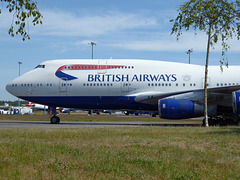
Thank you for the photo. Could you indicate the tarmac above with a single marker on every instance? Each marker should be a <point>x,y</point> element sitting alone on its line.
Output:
<point>13,124</point>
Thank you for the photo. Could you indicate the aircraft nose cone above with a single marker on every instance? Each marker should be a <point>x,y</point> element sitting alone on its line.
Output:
<point>9,88</point>
<point>12,88</point>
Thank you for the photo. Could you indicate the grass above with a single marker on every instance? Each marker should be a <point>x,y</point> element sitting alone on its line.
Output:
<point>121,153</point>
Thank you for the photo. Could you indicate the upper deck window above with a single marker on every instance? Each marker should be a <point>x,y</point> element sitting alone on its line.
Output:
<point>40,66</point>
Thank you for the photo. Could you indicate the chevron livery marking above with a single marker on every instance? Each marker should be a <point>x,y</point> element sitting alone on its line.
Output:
<point>81,67</point>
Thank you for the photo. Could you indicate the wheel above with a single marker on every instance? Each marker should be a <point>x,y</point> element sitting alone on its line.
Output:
<point>126,113</point>
<point>154,115</point>
<point>203,123</point>
<point>55,120</point>
<point>238,123</point>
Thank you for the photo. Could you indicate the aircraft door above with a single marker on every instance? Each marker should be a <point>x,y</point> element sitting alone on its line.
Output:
<point>125,86</point>
<point>63,84</point>
<point>102,66</point>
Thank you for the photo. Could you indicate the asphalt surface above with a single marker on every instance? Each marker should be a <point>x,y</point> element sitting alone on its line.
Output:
<point>10,124</point>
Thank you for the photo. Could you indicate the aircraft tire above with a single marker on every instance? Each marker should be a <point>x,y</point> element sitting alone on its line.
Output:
<point>55,120</point>
<point>238,123</point>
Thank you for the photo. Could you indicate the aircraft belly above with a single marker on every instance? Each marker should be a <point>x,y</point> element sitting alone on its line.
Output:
<point>91,102</point>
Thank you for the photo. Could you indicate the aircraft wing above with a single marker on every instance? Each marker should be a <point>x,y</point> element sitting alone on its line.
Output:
<point>225,90</point>
<point>152,97</point>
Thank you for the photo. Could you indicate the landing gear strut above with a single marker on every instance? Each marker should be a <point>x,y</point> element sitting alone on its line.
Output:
<point>54,118</point>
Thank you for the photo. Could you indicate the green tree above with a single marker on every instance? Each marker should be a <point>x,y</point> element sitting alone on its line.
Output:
<point>219,19</point>
<point>22,10</point>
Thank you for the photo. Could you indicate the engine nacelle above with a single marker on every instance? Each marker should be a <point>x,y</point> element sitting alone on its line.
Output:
<point>179,109</point>
<point>236,102</point>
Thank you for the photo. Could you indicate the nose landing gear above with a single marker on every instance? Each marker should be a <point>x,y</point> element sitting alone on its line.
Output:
<point>53,114</point>
<point>55,120</point>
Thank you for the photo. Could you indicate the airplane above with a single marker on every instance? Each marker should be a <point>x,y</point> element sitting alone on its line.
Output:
<point>45,108</point>
<point>172,90</point>
<point>37,106</point>
<point>5,106</point>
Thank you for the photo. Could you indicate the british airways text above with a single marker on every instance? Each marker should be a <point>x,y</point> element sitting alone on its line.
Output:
<point>135,77</point>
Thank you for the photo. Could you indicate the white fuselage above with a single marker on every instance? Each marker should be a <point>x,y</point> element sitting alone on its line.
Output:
<point>114,84</point>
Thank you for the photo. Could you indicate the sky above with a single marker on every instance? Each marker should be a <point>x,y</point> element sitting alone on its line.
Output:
<point>126,29</point>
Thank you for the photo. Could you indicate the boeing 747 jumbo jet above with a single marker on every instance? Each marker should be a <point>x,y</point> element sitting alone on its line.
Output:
<point>172,90</point>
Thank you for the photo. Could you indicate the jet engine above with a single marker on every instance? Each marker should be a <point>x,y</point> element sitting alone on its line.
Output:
<point>179,109</point>
<point>236,102</point>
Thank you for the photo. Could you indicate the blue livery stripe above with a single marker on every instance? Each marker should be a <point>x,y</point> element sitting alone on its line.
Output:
<point>92,102</point>
<point>64,76</point>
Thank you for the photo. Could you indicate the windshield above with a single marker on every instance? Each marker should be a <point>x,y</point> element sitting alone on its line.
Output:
<point>40,66</point>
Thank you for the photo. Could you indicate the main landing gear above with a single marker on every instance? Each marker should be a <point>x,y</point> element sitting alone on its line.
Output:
<point>53,114</point>
<point>221,120</point>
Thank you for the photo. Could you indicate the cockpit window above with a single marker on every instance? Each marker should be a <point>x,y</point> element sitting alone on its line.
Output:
<point>40,66</point>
